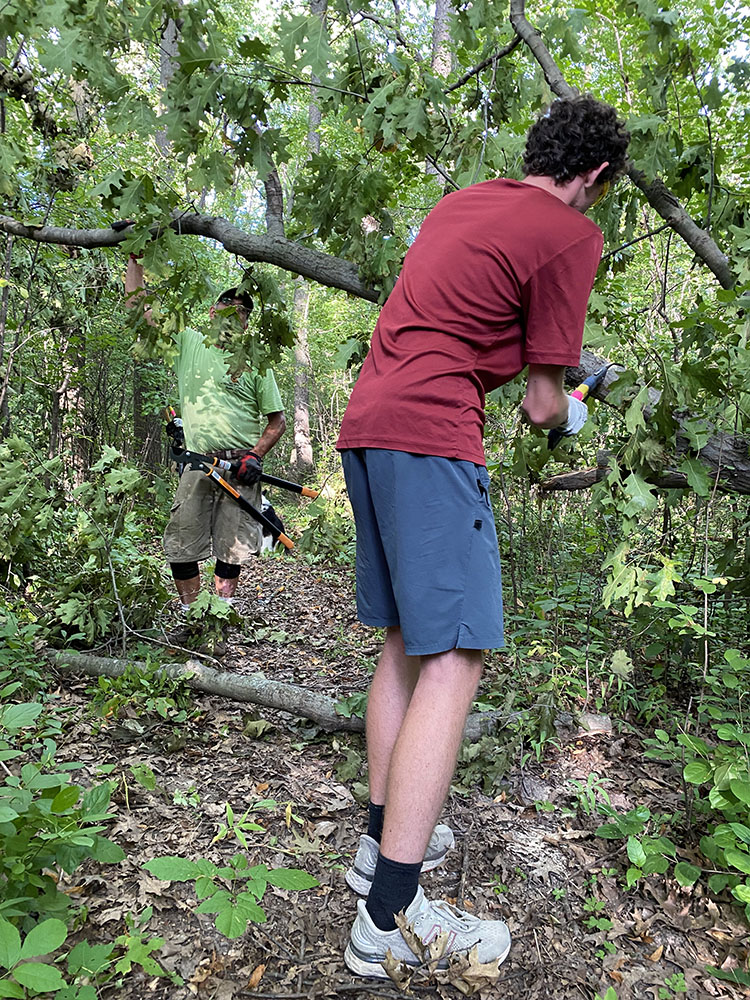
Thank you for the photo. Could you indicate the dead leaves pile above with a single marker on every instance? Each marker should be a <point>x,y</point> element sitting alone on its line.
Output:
<point>462,970</point>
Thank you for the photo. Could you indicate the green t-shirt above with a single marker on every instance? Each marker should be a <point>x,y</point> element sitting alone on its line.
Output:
<point>219,413</point>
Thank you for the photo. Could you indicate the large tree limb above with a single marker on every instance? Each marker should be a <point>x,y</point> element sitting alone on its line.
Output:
<point>255,688</point>
<point>726,456</point>
<point>657,194</point>
<point>320,267</point>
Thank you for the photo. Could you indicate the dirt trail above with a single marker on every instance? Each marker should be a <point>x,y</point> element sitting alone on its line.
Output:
<point>544,872</point>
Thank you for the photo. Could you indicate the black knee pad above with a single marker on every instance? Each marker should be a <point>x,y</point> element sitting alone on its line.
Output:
<point>184,571</point>
<point>226,570</point>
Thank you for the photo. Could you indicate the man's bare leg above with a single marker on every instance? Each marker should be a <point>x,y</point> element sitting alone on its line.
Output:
<point>390,693</point>
<point>188,589</point>
<point>424,755</point>
<point>226,588</point>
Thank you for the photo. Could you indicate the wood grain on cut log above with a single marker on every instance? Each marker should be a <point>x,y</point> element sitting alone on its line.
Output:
<point>255,688</point>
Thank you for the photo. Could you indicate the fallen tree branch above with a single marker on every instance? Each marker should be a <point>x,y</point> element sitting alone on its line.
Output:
<point>657,193</point>
<point>255,688</point>
<point>726,456</point>
<point>320,267</point>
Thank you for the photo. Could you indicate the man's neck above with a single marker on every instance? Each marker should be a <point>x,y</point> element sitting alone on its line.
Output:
<point>565,192</point>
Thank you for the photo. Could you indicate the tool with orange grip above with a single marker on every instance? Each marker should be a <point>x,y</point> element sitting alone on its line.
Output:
<point>584,389</point>
<point>213,467</point>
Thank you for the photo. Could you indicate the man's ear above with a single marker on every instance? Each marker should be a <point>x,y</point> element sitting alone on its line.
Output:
<point>591,176</point>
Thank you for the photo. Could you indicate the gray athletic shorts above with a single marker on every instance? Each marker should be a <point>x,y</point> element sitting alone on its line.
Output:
<point>205,521</point>
<point>427,552</point>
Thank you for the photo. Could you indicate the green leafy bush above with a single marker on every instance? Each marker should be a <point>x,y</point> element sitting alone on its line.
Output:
<point>48,824</point>
<point>232,892</point>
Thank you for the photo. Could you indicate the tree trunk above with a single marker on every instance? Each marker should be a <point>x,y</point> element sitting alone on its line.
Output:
<point>302,450</point>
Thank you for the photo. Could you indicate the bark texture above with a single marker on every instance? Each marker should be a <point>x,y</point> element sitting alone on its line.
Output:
<point>255,688</point>
<point>289,256</point>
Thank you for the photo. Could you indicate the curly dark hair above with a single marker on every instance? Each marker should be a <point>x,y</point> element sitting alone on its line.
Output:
<point>574,136</point>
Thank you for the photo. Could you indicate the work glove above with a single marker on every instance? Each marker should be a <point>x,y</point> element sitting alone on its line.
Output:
<point>249,468</point>
<point>578,414</point>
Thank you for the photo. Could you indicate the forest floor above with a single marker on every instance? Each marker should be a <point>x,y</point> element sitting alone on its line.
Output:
<point>528,855</point>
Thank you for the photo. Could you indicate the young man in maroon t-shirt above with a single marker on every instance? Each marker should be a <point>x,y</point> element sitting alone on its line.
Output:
<point>497,280</point>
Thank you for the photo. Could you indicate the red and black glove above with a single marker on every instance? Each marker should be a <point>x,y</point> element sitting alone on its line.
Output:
<point>249,468</point>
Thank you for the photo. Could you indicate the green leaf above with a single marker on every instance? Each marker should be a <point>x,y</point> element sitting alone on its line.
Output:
<point>621,664</point>
<point>44,938</point>
<point>742,893</point>
<point>173,869</point>
<point>10,945</point>
<point>291,878</point>
<point>10,989</point>
<point>697,476</point>
<point>65,799</point>
<point>730,975</point>
<point>642,496</point>
<point>686,874</point>
<point>106,852</point>
<point>38,976</point>
<point>142,772</point>
<point>741,789</point>
<point>737,859</point>
<point>636,853</point>
<point>89,958</point>
<point>7,815</point>
<point>233,921</point>
<point>16,717</point>
<point>697,772</point>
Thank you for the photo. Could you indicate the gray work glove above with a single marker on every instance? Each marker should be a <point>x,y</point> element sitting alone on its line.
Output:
<point>578,414</point>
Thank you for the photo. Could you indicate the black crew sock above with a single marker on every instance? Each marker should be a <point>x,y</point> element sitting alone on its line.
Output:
<point>375,821</point>
<point>394,886</point>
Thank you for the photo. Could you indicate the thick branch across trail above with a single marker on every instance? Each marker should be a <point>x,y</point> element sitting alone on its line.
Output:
<point>255,688</point>
<point>726,456</point>
<point>321,267</point>
<point>657,193</point>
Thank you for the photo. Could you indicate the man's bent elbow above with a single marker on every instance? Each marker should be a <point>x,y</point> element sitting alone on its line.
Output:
<point>541,413</point>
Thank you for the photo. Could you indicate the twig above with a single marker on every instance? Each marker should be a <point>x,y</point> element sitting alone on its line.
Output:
<point>464,869</point>
<point>500,54</point>
<point>301,959</point>
<point>276,944</point>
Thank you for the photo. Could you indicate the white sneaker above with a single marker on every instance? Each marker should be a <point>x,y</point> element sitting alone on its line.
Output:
<point>368,945</point>
<point>359,876</point>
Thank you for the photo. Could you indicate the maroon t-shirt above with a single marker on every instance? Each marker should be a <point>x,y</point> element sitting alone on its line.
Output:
<point>499,276</point>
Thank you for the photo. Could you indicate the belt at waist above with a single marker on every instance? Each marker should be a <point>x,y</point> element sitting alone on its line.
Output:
<point>228,454</point>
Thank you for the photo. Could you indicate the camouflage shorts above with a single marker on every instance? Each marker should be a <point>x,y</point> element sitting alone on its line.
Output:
<point>205,521</point>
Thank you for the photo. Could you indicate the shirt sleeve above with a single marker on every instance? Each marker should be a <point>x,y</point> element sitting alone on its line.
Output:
<point>268,395</point>
<point>554,301</point>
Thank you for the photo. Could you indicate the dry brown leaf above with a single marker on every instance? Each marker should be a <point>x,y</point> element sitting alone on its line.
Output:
<point>398,971</point>
<point>413,940</point>
<point>656,955</point>
<point>468,974</point>
<point>255,977</point>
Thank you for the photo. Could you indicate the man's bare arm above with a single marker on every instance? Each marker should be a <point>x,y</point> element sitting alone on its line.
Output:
<point>274,429</point>
<point>545,403</point>
<point>135,287</point>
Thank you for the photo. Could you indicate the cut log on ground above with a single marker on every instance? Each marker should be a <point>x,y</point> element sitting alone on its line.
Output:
<point>255,688</point>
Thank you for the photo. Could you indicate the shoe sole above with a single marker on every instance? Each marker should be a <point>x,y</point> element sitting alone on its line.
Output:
<point>375,970</point>
<point>361,884</point>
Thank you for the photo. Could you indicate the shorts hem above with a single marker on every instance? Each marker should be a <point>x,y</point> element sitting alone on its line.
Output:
<point>433,648</point>
<point>379,622</point>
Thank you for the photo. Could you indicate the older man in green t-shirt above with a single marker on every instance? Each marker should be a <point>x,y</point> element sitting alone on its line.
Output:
<point>238,419</point>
